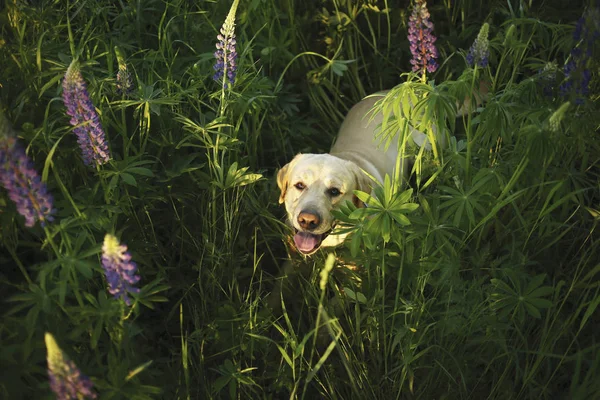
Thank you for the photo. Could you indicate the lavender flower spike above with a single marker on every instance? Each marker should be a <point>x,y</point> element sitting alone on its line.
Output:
<point>84,118</point>
<point>21,180</point>
<point>479,53</point>
<point>578,68</point>
<point>66,380</point>
<point>226,55</point>
<point>421,38</point>
<point>119,269</point>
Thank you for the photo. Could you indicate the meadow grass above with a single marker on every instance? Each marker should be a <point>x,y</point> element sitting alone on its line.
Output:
<point>476,279</point>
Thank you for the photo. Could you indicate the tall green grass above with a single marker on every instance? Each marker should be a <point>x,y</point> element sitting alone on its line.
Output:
<point>477,279</point>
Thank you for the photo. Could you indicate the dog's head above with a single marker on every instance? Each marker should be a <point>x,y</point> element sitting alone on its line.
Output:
<point>312,185</point>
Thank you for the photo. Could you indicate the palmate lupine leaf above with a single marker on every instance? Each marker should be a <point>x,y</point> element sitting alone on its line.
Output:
<point>385,209</point>
<point>460,201</point>
<point>514,300</point>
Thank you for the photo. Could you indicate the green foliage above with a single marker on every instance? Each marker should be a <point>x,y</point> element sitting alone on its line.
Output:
<point>515,300</point>
<point>477,277</point>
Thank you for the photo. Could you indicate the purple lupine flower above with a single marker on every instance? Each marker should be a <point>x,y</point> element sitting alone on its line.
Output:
<point>421,38</point>
<point>84,118</point>
<point>479,53</point>
<point>577,68</point>
<point>119,269</point>
<point>24,185</point>
<point>66,380</point>
<point>579,29</point>
<point>226,54</point>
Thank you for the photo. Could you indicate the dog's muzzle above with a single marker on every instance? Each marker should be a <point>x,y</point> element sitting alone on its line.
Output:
<point>308,243</point>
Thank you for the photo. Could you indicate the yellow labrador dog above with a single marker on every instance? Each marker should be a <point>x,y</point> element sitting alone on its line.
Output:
<point>312,185</point>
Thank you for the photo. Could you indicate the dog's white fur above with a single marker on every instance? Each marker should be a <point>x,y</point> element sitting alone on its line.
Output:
<point>306,182</point>
<point>355,150</point>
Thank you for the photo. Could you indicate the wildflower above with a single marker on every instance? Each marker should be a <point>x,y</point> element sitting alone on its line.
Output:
<point>577,68</point>
<point>84,118</point>
<point>508,36</point>
<point>324,274</point>
<point>557,117</point>
<point>21,180</point>
<point>66,380</point>
<point>226,54</point>
<point>547,77</point>
<point>479,52</point>
<point>421,38</point>
<point>124,80</point>
<point>119,269</point>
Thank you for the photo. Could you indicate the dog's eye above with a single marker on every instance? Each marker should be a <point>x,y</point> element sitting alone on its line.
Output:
<point>334,192</point>
<point>300,186</point>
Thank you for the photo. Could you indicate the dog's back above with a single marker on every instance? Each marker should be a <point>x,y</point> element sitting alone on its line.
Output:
<point>356,140</point>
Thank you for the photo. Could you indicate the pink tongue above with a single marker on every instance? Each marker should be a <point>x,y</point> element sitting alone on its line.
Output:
<point>306,241</point>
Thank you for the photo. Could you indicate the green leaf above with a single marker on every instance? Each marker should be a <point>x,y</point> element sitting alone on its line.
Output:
<point>141,171</point>
<point>590,310</point>
<point>112,184</point>
<point>401,219</point>
<point>355,245</point>
<point>386,230</point>
<point>356,296</point>
<point>96,334</point>
<point>541,292</point>
<point>404,196</point>
<point>340,66</point>
<point>535,282</point>
<point>220,383</point>
<point>137,370</point>
<point>540,303</point>
<point>531,310</point>
<point>367,198</point>
<point>408,207</point>
<point>128,179</point>
<point>85,268</point>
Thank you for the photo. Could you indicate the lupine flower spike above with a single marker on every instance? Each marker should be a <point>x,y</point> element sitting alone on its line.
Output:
<point>19,177</point>
<point>84,118</point>
<point>226,55</point>
<point>557,117</point>
<point>479,53</point>
<point>119,269</point>
<point>547,77</point>
<point>577,69</point>
<point>421,38</point>
<point>66,380</point>
<point>124,81</point>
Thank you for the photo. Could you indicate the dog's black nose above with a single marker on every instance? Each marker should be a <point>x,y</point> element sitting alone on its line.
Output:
<point>309,220</point>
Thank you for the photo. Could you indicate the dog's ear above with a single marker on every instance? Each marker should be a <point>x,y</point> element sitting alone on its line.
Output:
<point>283,177</point>
<point>362,183</point>
<point>283,181</point>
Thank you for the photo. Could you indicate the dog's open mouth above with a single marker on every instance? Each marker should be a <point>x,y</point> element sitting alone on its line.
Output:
<point>307,242</point>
